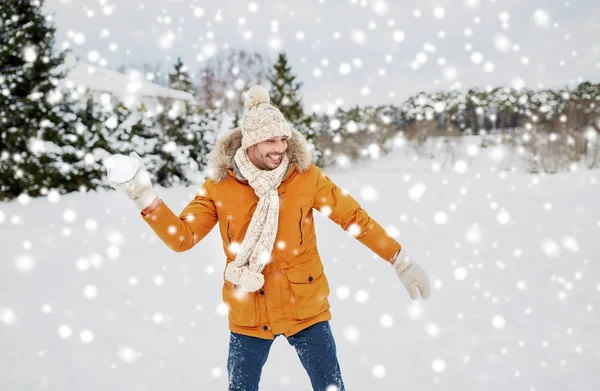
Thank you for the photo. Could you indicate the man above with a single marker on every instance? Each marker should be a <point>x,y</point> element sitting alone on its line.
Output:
<point>262,189</point>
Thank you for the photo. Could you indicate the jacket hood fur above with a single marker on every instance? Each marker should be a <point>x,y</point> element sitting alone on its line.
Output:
<point>219,159</point>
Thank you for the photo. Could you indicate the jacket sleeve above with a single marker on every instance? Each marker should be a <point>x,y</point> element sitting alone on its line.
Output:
<point>180,233</point>
<point>344,210</point>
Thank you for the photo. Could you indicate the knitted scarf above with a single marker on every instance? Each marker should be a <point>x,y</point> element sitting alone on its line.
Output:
<point>255,250</point>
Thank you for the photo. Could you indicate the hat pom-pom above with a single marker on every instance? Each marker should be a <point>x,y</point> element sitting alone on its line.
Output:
<point>256,95</point>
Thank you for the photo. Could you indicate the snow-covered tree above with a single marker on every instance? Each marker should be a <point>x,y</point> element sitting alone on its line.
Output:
<point>30,105</point>
<point>185,136</point>
<point>180,79</point>
<point>285,95</point>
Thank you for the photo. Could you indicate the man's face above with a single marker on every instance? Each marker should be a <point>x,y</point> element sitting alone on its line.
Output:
<point>267,155</point>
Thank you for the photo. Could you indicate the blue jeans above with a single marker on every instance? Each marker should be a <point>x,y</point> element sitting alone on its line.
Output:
<point>315,347</point>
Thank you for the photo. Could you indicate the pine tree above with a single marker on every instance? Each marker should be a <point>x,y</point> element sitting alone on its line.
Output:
<point>186,135</point>
<point>285,95</point>
<point>180,79</point>
<point>29,109</point>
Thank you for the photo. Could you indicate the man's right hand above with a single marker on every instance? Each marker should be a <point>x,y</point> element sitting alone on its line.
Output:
<point>139,188</point>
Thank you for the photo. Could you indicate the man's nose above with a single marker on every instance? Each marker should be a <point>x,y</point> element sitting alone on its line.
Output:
<point>280,146</point>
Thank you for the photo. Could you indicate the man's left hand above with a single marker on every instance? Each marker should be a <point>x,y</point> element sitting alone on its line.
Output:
<point>413,276</point>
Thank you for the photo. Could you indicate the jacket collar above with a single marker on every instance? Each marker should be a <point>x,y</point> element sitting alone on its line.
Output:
<point>221,157</point>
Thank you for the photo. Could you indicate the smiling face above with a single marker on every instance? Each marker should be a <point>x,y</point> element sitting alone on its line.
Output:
<point>268,154</point>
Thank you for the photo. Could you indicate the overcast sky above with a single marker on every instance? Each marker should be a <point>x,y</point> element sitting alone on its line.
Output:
<point>362,52</point>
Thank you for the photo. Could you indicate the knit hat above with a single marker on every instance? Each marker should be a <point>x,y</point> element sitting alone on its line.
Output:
<point>261,121</point>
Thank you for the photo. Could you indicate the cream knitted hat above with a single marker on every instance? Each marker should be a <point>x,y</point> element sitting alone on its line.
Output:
<point>261,121</point>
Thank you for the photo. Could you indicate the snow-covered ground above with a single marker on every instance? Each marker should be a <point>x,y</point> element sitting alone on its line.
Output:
<point>90,299</point>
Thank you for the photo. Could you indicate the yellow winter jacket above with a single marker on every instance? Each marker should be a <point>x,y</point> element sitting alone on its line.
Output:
<point>295,292</point>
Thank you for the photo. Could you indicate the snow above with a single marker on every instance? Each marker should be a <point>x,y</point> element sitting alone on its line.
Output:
<point>121,168</point>
<point>91,299</point>
<point>101,80</point>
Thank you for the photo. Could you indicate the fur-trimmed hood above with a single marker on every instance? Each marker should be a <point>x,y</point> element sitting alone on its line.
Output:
<point>219,159</point>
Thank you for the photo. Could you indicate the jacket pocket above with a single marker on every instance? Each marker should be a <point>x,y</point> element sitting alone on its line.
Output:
<point>309,288</point>
<point>243,306</point>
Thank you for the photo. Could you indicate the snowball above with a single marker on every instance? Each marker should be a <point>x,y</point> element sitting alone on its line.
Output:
<point>121,168</point>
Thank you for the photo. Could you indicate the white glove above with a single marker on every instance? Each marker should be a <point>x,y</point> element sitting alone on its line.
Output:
<point>412,276</point>
<point>139,188</point>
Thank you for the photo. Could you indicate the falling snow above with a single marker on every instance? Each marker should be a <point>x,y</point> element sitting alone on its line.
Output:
<point>512,255</point>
